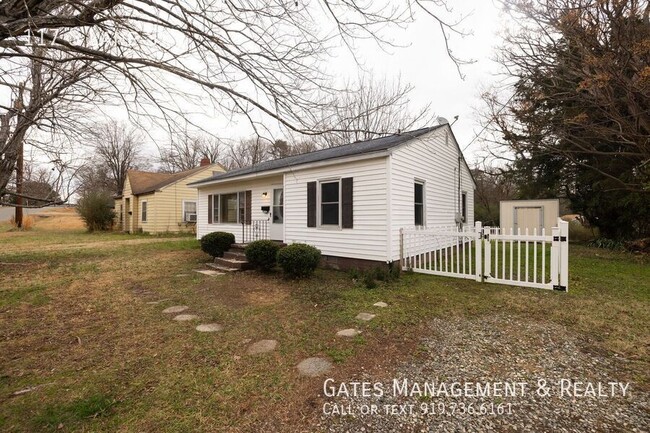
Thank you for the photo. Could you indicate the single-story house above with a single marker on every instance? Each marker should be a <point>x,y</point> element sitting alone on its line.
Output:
<point>349,201</point>
<point>161,202</point>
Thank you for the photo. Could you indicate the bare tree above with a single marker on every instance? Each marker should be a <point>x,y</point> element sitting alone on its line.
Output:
<point>248,152</point>
<point>40,106</point>
<point>118,148</point>
<point>282,148</point>
<point>186,152</point>
<point>370,109</point>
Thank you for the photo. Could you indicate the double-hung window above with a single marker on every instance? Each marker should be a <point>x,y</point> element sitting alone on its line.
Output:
<point>143,211</point>
<point>419,203</point>
<point>330,203</point>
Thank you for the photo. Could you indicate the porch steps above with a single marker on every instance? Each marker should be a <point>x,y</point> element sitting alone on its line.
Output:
<point>234,259</point>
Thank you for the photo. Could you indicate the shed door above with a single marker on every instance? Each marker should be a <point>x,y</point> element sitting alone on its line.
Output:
<point>530,218</point>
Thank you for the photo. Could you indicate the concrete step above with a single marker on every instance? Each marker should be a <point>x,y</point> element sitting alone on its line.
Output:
<point>234,254</point>
<point>220,268</point>
<point>238,247</point>
<point>231,263</point>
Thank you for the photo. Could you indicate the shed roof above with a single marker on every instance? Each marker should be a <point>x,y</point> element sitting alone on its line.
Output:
<point>357,148</point>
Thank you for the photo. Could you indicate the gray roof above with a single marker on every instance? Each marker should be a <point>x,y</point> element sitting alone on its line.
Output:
<point>358,148</point>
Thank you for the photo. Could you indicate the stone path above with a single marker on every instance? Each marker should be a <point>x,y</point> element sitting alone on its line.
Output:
<point>185,317</point>
<point>365,316</point>
<point>209,327</point>
<point>209,272</point>
<point>262,346</point>
<point>175,309</point>
<point>313,367</point>
<point>351,332</point>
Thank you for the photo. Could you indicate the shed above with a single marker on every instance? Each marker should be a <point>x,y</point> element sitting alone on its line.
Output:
<point>528,214</point>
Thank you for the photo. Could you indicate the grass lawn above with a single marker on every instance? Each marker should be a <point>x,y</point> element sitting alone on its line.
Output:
<point>75,323</point>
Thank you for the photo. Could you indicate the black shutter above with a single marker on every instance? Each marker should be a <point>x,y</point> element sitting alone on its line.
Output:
<point>249,205</point>
<point>311,204</point>
<point>346,203</point>
<point>210,209</point>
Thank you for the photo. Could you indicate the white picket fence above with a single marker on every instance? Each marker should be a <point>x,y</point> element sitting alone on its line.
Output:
<point>486,254</point>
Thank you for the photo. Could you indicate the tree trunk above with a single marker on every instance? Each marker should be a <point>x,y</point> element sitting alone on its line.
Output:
<point>18,217</point>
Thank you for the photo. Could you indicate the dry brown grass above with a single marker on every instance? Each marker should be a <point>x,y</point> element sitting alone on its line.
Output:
<point>76,320</point>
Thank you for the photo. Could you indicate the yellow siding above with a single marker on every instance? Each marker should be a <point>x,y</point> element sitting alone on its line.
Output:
<point>164,207</point>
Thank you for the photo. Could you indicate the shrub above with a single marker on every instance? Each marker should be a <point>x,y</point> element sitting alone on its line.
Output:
<point>262,254</point>
<point>607,244</point>
<point>369,280</point>
<point>96,210</point>
<point>298,260</point>
<point>28,223</point>
<point>217,243</point>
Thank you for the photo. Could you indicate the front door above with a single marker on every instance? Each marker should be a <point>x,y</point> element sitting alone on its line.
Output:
<point>277,215</point>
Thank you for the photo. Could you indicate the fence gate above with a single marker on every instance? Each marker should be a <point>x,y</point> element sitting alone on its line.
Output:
<point>486,254</point>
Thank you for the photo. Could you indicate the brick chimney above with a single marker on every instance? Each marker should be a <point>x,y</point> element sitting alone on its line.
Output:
<point>205,161</point>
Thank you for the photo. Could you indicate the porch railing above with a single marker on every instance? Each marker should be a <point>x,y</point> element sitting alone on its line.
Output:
<point>255,231</point>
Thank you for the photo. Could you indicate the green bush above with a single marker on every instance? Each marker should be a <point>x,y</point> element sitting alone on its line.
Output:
<point>262,254</point>
<point>96,210</point>
<point>298,260</point>
<point>217,243</point>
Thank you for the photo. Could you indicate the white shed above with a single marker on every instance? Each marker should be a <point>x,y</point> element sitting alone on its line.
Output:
<point>528,214</point>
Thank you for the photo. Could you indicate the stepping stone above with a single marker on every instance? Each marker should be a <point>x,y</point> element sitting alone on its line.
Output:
<point>209,327</point>
<point>175,309</point>
<point>365,316</point>
<point>380,304</point>
<point>185,317</point>
<point>314,367</point>
<point>262,346</point>
<point>182,275</point>
<point>209,272</point>
<point>156,302</point>
<point>348,333</point>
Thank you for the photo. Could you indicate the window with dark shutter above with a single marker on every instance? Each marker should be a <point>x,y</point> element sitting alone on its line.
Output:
<point>311,204</point>
<point>210,209</point>
<point>419,203</point>
<point>346,203</point>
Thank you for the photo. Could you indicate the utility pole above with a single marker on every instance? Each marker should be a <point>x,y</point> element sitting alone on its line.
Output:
<point>18,217</point>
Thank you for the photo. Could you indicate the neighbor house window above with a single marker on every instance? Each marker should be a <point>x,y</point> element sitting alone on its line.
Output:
<point>330,203</point>
<point>189,211</point>
<point>229,207</point>
<point>463,206</point>
<point>419,203</point>
<point>215,209</point>
<point>143,207</point>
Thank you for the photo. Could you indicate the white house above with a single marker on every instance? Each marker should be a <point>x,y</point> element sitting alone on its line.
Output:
<point>348,201</point>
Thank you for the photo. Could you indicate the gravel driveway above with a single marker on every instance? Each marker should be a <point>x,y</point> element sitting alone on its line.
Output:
<point>498,350</point>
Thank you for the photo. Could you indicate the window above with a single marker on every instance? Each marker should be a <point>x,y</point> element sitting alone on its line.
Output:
<point>278,206</point>
<point>242,206</point>
<point>189,211</point>
<point>463,205</point>
<point>329,199</point>
<point>229,207</point>
<point>215,209</point>
<point>143,209</point>
<point>419,203</point>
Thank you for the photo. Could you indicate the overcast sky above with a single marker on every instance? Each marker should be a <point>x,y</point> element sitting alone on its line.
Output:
<point>421,60</point>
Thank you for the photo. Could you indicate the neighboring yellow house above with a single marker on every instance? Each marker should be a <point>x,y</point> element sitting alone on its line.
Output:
<point>161,202</point>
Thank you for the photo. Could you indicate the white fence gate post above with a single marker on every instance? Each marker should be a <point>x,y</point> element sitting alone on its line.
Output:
<point>478,247</point>
<point>555,257</point>
<point>564,254</point>
<point>487,262</point>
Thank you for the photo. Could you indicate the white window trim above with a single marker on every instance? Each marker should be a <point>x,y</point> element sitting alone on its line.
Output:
<point>424,202</point>
<point>183,210</point>
<point>464,217</point>
<point>319,207</point>
<point>142,213</point>
<point>218,216</point>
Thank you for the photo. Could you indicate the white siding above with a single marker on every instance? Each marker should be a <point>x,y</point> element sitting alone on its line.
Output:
<point>257,186</point>
<point>433,159</point>
<point>367,240</point>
